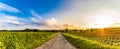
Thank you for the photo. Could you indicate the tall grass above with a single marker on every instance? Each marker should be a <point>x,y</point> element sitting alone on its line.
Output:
<point>23,40</point>
<point>84,43</point>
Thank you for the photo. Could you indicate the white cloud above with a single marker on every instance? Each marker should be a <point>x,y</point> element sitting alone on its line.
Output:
<point>5,7</point>
<point>51,21</point>
<point>43,23</point>
<point>75,12</point>
<point>35,14</point>
<point>9,22</point>
<point>8,19</point>
<point>36,17</point>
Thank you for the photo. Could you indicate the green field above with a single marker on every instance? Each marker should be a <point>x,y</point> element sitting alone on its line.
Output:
<point>23,40</point>
<point>96,39</point>
<point>82,39</point>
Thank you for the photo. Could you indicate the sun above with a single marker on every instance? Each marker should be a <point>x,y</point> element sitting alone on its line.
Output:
<point>103,18</point>
<point>102,22</point>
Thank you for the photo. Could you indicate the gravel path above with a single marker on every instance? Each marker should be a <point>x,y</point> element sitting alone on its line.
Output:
<point>58,42</point>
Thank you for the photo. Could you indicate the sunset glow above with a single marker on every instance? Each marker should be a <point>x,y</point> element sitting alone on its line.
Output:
<point>103,18</point>
<point>53,14</point>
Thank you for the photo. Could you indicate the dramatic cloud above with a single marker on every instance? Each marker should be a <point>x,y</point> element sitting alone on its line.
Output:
<point>36,18</point>
<point>48,23</point>
<point>10,20</point>
<point>4,7</point>
<point>73,14</point>
<point>79,12</point>
<point>35,14</point>
<point>51,21</point>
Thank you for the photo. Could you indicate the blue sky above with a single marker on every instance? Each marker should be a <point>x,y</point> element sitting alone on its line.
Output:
<point>26,12</point>
<point>58,14</point>
<point>40,6</point>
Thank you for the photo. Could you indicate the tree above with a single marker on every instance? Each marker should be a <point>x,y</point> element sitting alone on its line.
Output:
<point>66,30</point>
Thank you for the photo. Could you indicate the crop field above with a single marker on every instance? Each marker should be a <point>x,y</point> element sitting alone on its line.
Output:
<point>81,39</point>
<point>23,40</point>
<point>96,39</point>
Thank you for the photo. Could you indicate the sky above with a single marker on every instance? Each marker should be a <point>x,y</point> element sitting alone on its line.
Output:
<point>58,14</point>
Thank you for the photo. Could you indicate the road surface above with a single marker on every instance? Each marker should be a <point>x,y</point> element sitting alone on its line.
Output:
<point>58,42</point>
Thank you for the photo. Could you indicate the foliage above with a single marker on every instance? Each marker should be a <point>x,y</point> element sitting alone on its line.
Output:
<point>23,40</point>
<point>86,43</point>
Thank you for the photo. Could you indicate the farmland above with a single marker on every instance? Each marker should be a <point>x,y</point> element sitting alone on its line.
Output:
<point>95,39</point>
<point>23,40</point>
<point>107,38</point>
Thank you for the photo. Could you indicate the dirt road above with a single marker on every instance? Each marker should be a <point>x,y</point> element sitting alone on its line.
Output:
<point>58,42</point>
